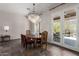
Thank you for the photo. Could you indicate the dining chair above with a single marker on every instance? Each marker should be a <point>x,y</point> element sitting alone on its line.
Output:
<point>29,41</point>
<point>23,40</point>
<point>26,40</point>
<point>28,32</point>
<point>44,36</point>
<point>38,41</point>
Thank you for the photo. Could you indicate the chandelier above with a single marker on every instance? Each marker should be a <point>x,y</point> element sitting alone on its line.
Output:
<point>33,17</point>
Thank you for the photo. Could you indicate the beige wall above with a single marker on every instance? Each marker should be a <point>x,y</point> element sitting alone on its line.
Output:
<point>18,24</point>
<point>45,24</point>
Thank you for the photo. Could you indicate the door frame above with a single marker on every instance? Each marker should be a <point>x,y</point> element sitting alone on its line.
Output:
<point>61,14</point>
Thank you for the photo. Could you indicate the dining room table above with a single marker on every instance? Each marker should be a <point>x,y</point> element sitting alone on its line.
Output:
<point>35,38</point>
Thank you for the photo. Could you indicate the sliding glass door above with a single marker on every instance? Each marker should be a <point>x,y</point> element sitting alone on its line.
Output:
<point>70,32</point>
<point>70,29</point>
<point>56,29</point>
<point>65,29</point>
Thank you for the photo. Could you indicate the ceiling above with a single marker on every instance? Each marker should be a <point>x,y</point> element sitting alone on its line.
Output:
<point>21,8</point>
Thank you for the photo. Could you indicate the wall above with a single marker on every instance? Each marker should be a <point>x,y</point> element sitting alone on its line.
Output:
<point>18,24</point>
<point>46,23</point>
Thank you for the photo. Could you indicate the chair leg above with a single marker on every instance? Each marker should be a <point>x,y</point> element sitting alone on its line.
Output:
<point>41,45</point>
<point>33,45</point>
<point>26,46</point>
<point>22,44</point>
<point>46,45</point>
<point>41,48</point>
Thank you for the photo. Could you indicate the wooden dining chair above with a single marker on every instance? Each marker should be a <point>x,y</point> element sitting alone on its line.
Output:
<point>26,40</point>
<point>23,40</point>
<point>38,41</point>
<point>28,32</point>
<point>29,41</point>
<point>44,36</point>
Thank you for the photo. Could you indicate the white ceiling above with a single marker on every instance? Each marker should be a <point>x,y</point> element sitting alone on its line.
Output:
<point>21,8</point>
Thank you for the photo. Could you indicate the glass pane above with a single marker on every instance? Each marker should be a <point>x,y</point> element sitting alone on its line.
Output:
<point>56,30</point>
<point>70,32</point>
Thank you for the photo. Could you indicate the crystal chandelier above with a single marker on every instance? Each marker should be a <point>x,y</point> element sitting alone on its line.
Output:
<point>33,17</point>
